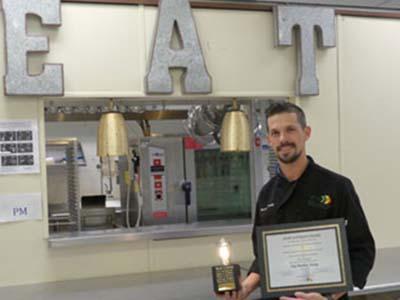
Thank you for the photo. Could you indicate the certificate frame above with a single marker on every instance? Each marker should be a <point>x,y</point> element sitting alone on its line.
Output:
<point>305,235</point>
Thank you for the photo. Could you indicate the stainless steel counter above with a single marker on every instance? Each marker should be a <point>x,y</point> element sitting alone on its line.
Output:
<point>385,276</point>
<point>192,284</point>
<point>161,232</point>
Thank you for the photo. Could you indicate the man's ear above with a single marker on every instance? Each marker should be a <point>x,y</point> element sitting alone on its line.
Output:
<point>307,130</point>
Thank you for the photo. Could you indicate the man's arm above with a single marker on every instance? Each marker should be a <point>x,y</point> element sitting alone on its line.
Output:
<point>360,241</point>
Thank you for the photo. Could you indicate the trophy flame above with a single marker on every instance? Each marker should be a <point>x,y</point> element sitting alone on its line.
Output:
<point>224,252</point>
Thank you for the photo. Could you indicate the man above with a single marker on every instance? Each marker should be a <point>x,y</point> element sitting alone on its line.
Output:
<point>294,195</point>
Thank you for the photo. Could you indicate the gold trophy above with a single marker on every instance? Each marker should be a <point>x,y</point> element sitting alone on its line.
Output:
<point>225,276</point>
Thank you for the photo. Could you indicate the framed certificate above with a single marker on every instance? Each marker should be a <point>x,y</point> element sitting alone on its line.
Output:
<point>311,256</point>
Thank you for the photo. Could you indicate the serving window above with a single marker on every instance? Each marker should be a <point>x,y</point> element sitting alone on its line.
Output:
<point>174,182</point>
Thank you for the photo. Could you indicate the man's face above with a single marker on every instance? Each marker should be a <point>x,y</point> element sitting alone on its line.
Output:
<point>286,137</point>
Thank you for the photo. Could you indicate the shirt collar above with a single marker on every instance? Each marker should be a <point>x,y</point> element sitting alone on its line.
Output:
<point>310,165</point>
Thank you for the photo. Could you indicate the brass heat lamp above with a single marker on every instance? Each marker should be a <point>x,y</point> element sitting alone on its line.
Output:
<point>235,131</point>
<point>112,141</point>
<point>112,137</point>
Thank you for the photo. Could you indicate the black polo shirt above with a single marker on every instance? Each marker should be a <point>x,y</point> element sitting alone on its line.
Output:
<point>317,195</point>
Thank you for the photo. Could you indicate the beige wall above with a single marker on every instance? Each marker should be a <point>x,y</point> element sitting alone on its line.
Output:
<point>105,52</point>
<point>369,64</point>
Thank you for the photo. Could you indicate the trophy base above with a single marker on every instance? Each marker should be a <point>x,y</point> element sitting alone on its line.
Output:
<point>226,278</point>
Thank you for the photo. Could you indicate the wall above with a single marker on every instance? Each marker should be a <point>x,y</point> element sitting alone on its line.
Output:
<point>369,64</point>
<point>105,51</point>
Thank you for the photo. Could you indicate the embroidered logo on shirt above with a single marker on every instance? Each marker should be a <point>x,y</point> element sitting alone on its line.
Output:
<point>326,199</point>
<point>323,201</point>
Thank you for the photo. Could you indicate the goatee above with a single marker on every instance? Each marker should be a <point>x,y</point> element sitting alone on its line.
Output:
<point>290,159</point>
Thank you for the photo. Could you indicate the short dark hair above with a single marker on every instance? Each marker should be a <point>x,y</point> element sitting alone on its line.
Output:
<point>285,107</point>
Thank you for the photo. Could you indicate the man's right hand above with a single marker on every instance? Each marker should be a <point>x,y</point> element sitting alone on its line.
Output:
<point>247,287</point>
<point>235,295</point>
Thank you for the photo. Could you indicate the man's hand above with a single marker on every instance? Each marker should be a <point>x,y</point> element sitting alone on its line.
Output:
<point>305,296</point>
<point>232,296</point>
<point>248,285</point>
<point>311,296</point>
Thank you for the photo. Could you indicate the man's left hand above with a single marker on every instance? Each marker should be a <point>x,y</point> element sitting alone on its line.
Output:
<point>311,296</point>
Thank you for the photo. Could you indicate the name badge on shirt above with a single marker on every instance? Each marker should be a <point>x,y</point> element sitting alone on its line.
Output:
<point>264,209</point>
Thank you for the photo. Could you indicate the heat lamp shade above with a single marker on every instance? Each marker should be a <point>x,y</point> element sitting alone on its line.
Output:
<point>235,132</point>
<point>112,137</point>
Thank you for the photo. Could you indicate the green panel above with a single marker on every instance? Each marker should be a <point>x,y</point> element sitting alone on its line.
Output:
<point>222,185</point>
